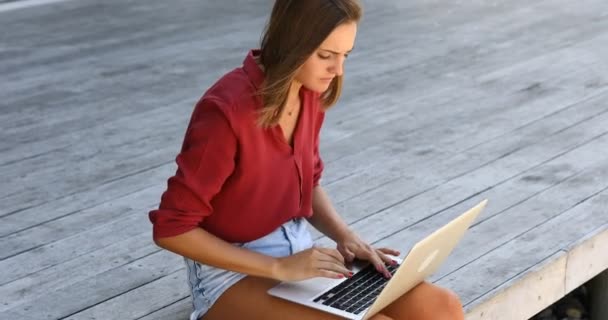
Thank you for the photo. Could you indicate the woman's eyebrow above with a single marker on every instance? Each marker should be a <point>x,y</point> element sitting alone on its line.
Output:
<point>349,51</point>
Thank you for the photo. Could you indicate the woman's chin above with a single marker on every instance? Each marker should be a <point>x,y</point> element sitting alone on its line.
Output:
<point>318,88</point>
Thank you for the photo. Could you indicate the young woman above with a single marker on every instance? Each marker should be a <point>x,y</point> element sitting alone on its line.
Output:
<point>248,176</point>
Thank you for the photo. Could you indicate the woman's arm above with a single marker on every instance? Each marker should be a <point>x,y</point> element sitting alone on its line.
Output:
<point>325,218</point>
<point>328,221</point>
<point>200,245</point>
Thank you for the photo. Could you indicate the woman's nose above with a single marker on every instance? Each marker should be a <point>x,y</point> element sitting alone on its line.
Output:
<point>338,67</point>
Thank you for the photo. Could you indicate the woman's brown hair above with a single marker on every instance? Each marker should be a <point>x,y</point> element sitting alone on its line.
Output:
<point>296,28</point>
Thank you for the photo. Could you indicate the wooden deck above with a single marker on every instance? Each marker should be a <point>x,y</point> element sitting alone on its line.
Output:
<point>446,103</point>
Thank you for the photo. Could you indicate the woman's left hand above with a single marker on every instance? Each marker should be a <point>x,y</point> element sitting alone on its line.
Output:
<point>351,247</point>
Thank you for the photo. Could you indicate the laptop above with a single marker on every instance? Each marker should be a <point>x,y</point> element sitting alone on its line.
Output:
<point>368,292</point>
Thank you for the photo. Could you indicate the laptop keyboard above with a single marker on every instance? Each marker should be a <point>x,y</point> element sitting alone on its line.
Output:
<point>357,293</point>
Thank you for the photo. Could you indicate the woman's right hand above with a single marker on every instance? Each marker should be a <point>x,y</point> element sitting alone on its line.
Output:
<point>311,263</point>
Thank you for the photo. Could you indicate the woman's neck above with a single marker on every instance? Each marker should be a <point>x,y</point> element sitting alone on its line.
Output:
<point>293,97</point>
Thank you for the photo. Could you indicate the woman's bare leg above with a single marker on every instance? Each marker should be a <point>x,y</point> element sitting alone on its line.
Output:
<point>426,302</point>
<point>248,300</point>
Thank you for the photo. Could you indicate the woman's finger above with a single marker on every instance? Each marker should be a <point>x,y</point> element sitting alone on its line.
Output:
<point>381,267</point>
<point>387,260</point>
<point>349,255</point>
<point>329,274</point>
<point>373,257</point>
<point>333,267</point>
<point>392,252</point>
<point>335,254</point>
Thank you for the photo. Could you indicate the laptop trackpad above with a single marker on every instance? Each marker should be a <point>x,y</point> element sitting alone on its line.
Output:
<point>311,288</point>
<point>306,289</point>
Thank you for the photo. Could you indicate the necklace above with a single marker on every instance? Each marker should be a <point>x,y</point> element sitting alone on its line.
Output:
<point>290,111</point>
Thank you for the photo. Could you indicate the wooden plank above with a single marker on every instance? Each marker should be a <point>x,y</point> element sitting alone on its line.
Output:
<point>71,247</point>
<point>579,179</point>
<point>138,302</point>
<point>531,292</point>
<point>131,93</point>
<point>506,218</point>
<point>516,257</point>
<point>536,180</point>
<point>35,286</point>
<point>431,194</point>
<point>104,143</point>
<point>180,309</point>
<point>587,157</point>
<point>21,199</point>
<point>145,25</point>
<point>456,65</point>
<point>82,222</point>
<point>131,199</point>
<point>138,107</point>
<point>460,163</point>
<point>504,90</point>
<point>354,177</point>
<point>67,181</point>
<point>547,282</point>
<point>73,204</point>
<point>162,17</point>
<point>35,213</point>
<point>436,26</point>
<point>515,207</point>
<point>583,84</point>
<point>90,292</point>
<point>526,213</point>
<point>10,315</point>
<point>150,89</point>
<point>588,257</point>
<point>20,196</point>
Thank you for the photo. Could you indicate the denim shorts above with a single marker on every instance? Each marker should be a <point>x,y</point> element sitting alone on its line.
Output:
<point>208,283</point>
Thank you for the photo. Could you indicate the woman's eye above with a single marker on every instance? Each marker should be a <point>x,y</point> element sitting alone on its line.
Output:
<point>324,57</point>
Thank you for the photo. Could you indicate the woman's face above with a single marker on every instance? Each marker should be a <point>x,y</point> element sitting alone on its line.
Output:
<point>327,61</point>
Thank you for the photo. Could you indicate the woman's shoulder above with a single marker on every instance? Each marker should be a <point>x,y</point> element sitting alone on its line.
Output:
<point>233,95</point>
<point>233,91</point>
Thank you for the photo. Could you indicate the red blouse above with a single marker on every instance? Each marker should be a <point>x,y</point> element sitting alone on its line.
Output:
<point>235,179</point>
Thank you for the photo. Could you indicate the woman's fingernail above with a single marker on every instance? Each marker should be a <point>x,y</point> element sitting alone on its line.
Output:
<point>340,276</point>
<point>350,274</point>
<point>394,262</point>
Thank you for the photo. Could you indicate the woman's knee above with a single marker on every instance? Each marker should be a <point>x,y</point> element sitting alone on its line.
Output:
<point>447,305</point>
<point>452,305</point>
<point>381,316</point>
<point>427,301</point>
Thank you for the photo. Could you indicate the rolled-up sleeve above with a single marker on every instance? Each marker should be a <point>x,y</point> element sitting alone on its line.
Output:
<point>206,160</point>
<point>317,161</point>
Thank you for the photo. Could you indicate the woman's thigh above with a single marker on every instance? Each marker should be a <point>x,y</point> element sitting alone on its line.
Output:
<point>247,299</point>
<point>426,301</point>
